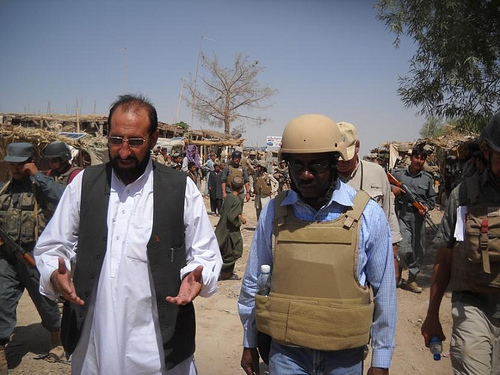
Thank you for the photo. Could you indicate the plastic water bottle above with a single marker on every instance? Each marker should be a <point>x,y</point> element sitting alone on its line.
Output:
<point>264,280</point>
<point>436,347</point>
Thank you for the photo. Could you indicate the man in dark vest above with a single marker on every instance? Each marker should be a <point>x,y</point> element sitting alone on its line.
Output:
<point>327,246</point>
<point>468,262</point>
<point>140,256</point>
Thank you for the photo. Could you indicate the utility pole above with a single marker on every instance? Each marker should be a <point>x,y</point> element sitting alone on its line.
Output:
<point>176,119</point>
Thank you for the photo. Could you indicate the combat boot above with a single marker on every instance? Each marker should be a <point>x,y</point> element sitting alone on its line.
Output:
<point>411,284</point>
<point>56,354</point>
<point>4,368</point>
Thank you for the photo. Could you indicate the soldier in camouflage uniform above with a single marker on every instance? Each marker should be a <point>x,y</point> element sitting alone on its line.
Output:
<point>265,187</point>
<point>281,174</point>
<point>24,207</point>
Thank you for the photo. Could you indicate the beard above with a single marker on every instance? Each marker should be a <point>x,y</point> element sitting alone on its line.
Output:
<point>133,171</point>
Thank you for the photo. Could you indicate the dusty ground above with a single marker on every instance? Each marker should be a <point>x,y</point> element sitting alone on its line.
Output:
<point>219,334</point>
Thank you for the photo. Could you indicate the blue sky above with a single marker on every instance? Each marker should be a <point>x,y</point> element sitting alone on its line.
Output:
<point>330,57</point>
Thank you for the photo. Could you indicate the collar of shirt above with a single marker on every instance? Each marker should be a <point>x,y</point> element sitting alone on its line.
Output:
<point>342,197</point>
<point>407,171</point>
<point>135,187</point>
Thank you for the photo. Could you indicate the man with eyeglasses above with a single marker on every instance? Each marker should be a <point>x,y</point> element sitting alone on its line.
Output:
<point>141,255</point>
<point>327,246</point>
<point>370,177</point>
<point>24,202</point>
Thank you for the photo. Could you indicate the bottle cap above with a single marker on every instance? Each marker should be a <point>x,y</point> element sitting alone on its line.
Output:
<point>265,268</point>
<point>437,356</point>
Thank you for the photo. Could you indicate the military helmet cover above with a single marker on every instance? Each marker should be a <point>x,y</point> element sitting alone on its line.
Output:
<point>57,149</point>
<point>312,134</point>
<point>491,133</point>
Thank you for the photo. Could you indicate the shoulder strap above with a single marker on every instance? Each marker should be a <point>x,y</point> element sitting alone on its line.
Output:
<point>5,186</point>
<point>471,191</point>
<point>353,214</point>
<point>280,213</point>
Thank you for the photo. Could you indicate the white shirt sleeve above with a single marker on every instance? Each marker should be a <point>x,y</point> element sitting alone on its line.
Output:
<point>60,237</point>
<point>201,244</point>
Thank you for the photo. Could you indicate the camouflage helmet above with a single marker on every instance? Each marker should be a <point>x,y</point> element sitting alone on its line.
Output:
<point>57,149</point>
<point>491,133</point>
<point>312,134</point>
<point>403,148</point>
<point>262,163</point>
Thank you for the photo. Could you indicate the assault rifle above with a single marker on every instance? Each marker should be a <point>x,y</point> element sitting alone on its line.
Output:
<point>422,210</point>
<point>15,249</point>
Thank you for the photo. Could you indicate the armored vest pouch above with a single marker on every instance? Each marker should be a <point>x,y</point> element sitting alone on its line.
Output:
<point>482,236</point>
<point>263,186</point>
<point>476,260</point>
<point>234,172</point>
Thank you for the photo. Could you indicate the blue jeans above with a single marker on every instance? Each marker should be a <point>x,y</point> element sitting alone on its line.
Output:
<point>287,360</point>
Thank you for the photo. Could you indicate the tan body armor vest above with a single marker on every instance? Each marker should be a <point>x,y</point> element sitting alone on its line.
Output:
<point>476,260</point>
<point>263,186</point>
<point>316,300</point>
<point>234,172</point>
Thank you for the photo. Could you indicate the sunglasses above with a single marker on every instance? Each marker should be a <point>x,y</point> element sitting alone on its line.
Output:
<point>320,166</point>
<point>132,142</point>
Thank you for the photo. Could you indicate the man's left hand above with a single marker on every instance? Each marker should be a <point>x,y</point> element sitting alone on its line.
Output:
<point>377,371</point>
<point>190,288</point>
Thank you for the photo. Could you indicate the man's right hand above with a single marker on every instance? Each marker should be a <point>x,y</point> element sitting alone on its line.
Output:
<point>61,280</point>
<point>250,361</point>
<point>432,327</point>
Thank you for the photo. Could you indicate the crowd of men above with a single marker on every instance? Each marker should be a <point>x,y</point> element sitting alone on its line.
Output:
<point>127,260</point>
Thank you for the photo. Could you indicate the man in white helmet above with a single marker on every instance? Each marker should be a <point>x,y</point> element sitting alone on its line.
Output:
<point>370,177</point>
<point>314,236</point>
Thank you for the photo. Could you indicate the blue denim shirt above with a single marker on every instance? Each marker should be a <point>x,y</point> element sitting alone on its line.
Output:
<point>375,265</point>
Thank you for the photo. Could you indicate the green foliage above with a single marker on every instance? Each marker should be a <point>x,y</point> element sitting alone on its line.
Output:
<point>183,125</point>
<point>433,127</point>
<point>455,72</point>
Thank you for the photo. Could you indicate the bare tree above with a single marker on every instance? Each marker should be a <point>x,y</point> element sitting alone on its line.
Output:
<point>228,94</point>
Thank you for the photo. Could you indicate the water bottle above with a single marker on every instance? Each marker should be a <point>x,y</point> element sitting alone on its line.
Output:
<point>436,347</point>
<point>264,280</point>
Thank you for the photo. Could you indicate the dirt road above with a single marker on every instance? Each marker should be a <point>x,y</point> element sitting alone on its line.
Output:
<point>219,332</point>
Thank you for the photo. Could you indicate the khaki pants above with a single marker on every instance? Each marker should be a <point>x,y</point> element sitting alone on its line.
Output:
<point>475,342</point>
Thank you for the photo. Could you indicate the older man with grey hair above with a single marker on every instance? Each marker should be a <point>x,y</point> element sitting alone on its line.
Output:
<point>370,177</point>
